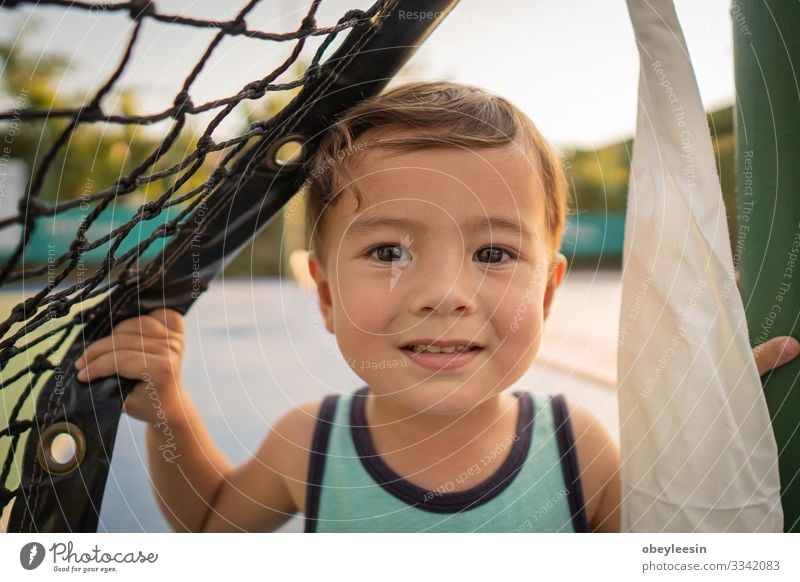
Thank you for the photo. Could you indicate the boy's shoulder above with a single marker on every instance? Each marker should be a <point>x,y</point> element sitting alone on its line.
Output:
<point>598,459</point>
<point>295,431</point>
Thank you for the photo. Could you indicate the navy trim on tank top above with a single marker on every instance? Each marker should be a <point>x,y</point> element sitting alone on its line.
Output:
<point>435,501</point>
<point>316,466</point>
<point>569,463</point>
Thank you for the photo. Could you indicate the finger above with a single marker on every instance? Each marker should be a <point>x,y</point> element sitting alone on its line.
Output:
<point>738,279</point>
<point>169,318</point>
<point>119,341</point>
<point>143,325</point>
<point>131,364</point>
<point>775,353</point>
<point>108,344</point>
<point>147,343</point>
<point>96,347</point>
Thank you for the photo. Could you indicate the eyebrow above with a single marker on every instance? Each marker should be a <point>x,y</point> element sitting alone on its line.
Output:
<point>474,225</point>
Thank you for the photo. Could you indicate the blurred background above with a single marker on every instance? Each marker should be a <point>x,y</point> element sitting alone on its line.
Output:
<point>256,342</point>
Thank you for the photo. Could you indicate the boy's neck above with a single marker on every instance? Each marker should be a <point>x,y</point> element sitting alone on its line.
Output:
<point>412,427</point>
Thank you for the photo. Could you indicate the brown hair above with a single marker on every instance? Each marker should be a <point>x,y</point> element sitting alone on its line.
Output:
<point>431,114</point>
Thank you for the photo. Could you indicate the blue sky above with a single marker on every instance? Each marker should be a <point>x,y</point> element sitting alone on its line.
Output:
<point>571,65</point>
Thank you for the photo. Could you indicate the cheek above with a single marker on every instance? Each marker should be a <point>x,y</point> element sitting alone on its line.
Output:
<point>518,323</point>
<point>360,308</point>
<point>362,318</point>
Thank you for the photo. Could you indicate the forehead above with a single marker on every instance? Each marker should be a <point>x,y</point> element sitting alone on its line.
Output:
<point>436,187</point>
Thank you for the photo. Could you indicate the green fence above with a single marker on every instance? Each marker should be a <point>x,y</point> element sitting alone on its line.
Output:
<point>590,236</point>
<point>53,235</point>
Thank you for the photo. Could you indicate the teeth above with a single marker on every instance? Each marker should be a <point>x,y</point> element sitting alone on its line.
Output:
<point>440,350</point>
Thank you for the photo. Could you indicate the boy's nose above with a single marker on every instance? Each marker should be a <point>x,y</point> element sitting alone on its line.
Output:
<point>445,288</point>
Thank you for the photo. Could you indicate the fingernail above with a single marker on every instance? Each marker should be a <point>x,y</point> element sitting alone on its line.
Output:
<point>79,363</point>
<point>82,375</point>
<point>791,347</point>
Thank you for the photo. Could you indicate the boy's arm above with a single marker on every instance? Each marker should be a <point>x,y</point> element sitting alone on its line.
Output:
<point>267,490</point>
<point>188,470</point>
<point>200,490</point>
<point>599,463</point>
<point>186,466</point>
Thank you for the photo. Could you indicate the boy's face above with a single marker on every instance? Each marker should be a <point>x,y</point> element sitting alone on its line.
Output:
<point>418,261</point>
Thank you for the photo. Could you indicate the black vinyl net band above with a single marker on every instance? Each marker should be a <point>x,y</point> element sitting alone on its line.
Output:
<point>79,303</point>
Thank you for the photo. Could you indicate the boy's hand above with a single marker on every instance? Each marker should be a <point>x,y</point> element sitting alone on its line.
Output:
<point>775,353</point>
<point>148,348</point>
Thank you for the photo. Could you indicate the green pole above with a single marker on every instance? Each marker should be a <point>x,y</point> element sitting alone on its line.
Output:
<point>767,241</point>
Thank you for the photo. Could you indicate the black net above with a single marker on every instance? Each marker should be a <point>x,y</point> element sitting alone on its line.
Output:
<point>118,266</point>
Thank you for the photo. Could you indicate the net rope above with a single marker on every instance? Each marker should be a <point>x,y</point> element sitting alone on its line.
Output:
<point>49,311</point>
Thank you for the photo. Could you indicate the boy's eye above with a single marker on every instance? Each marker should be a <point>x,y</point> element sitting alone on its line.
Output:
<point>492,255</point>
<point>390,253</point>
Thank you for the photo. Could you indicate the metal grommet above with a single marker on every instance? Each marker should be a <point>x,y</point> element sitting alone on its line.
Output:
<point>61,435</point>
<point>285,153</point>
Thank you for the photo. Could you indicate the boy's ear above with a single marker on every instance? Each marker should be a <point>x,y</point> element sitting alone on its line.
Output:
<point>317,271</point>
<point>557,272</point>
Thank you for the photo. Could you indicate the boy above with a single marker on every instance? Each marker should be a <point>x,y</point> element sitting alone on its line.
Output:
<point>436,213</point>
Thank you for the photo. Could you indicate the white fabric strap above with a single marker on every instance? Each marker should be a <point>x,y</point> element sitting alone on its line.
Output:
<point>698,451</point>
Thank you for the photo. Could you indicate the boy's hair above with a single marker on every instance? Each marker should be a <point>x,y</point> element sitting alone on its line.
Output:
<point>430,114</point>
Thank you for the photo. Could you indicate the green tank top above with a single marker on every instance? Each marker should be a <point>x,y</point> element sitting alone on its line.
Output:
<point>536,489</point>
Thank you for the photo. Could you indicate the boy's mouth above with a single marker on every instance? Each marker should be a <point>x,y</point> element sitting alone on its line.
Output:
<point>442,355</point>
<point>427,346</point>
